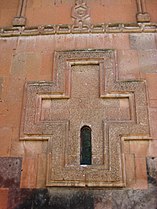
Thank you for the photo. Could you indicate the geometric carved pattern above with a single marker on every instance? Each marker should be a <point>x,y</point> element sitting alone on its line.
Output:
<point>80,13</point>
<point>71,29</point>
<point>85,91</point>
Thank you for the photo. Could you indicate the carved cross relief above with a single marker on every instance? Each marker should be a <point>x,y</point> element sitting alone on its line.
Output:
<point>81,14</point>
<point>85,92</point>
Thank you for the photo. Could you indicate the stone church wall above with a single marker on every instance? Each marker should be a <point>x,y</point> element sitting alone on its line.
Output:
<point>34,34</point>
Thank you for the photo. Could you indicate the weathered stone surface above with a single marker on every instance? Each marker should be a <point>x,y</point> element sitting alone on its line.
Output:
<point>153,122</point>
<point>1,87</point>
<point>82,199</point>
<point>10,172</point>
<point>46,199</point>
<point>102,199</point>
<point>8,11</point>
<point>142,42</point>
<point>148,61</point>
<point>5,141</point>
<point>18,197</point>
<point>132,71</point>
<point>152,170</point>
<point>3,198</point>
<point>29,173</point>
<point>136,199</point>
<point>152,85</point>
<point>150,9</point>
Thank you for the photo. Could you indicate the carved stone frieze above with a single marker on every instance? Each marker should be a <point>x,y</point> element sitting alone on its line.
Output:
<point>72,29</point>
<point>85,91</point>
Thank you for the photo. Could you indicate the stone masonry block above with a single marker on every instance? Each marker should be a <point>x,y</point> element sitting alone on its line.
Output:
<point>103,200</point>
<point>3,198</point>
<point>139,148</point>
<point>1,87</point>
<point>148,61</point>
<point>128,65</point>
<point>141,173</point>
<point>10,172</point>
<point>153,148</point>
<point>152,85</point>
<point>42,167</point>
<point>5,141</point>
<point>29,173</point>
<point>24,65</point>
<point>142,41</point>
<point>17,149</point>
<point>5,60</point>
<point>153,122</point>
<point>152,170</point>
<point>46,66</point>
<point>20,198</point>
<point>120,41</point>
<point>27,44</point>
<point>130,169</point>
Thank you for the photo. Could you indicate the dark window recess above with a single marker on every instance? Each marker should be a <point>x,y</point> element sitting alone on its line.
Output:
<point>86,146</point>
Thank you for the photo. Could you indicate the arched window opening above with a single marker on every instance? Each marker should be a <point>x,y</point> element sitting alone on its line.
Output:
<point>86,146</point>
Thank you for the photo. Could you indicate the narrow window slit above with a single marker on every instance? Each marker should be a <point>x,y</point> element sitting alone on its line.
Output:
<point>86,146</point>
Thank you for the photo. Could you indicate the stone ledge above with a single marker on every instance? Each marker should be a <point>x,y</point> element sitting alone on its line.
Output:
<point>71,29</point>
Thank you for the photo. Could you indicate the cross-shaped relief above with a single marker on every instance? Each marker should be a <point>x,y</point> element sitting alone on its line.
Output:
<point>85,92</point>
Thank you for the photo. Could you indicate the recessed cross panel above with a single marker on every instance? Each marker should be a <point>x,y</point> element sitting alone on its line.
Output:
<point>85,93</point>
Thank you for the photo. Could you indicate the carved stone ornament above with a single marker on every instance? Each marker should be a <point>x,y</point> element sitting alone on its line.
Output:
<point>80,13</point>
<point>71,29</point>
<point>20,19</point>
<point>85,91</point>
<point>142,14</point>
<point>143,17</point>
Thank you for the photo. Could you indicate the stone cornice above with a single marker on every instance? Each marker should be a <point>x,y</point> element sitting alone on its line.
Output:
<point>72,29</point>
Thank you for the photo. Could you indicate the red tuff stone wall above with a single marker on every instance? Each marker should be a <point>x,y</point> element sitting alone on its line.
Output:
<point>40,43</point>
<point>51,11</point>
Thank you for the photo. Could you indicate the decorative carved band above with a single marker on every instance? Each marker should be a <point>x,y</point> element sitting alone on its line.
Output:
<point>71,29</point>
<point>20,19</point>
<point>142,15</point>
